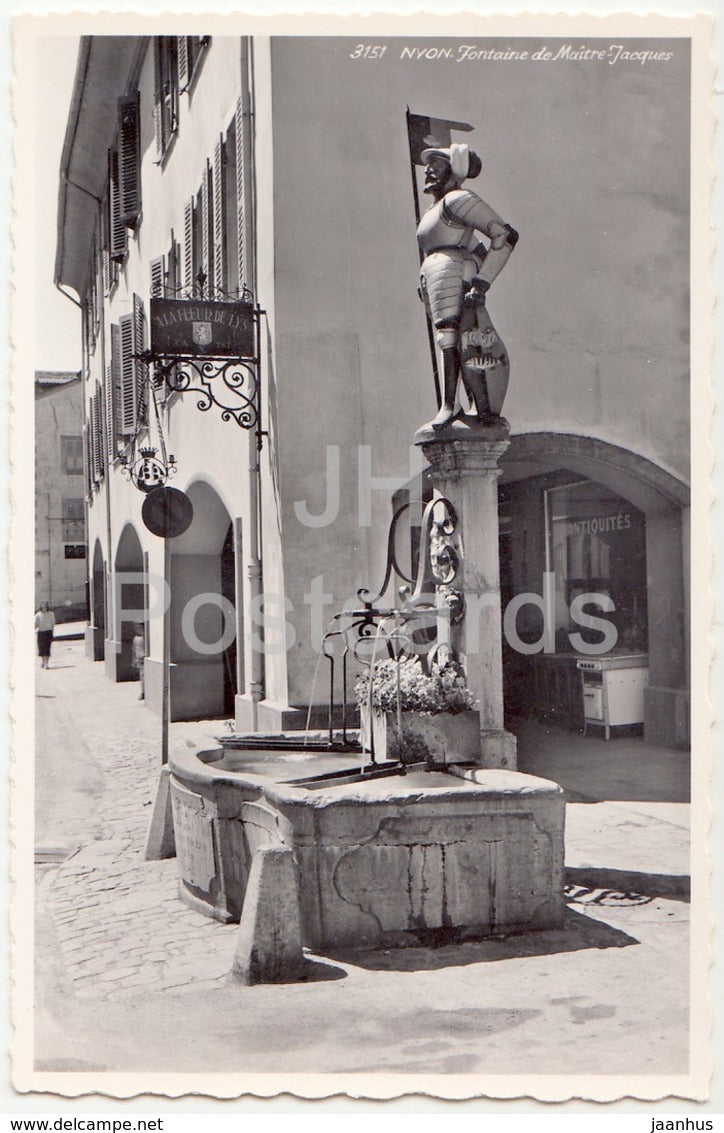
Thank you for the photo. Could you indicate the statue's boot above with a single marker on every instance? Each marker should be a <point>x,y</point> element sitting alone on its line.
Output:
<point>451,367</point>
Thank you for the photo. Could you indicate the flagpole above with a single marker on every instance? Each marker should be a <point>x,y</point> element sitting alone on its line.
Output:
<point>430,332</point>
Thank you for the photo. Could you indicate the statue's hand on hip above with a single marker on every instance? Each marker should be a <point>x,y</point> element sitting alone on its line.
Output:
<point>475,295</point>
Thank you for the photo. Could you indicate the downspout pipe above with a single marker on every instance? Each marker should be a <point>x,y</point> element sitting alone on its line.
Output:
<point>255,564</point>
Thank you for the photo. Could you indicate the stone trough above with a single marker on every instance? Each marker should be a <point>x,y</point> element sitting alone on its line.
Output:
<point>383,859</point>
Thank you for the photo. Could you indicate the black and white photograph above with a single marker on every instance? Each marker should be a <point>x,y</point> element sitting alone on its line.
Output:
<point>361,395</point>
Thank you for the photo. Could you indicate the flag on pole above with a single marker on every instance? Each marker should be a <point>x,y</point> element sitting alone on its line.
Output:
<point>426,132</point>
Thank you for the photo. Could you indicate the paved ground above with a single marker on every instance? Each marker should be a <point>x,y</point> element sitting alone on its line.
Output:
<point>129,978</point>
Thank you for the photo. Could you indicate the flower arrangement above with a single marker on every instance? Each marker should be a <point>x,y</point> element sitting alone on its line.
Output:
<point>443,690</point>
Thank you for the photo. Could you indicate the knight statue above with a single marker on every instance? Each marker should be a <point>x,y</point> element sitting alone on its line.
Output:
<point>457,270</point>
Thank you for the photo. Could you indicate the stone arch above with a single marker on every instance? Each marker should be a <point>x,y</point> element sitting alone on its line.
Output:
<point>203,645</point>
<point>130,603</point>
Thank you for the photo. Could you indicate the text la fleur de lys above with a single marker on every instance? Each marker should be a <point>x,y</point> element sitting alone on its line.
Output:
<point>576,53</point>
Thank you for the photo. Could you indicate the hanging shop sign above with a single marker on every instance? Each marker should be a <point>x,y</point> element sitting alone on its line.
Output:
<point>202,328</point>
<point>167,512</point>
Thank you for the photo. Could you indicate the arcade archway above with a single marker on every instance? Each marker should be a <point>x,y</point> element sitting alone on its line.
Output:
<point>203,616</point>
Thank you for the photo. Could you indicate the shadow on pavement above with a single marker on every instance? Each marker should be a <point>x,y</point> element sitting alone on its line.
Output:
<point>577,933</point>
<point>620,886</point>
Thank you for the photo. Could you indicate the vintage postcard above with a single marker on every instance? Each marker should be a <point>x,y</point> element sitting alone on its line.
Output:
<point>362,370</point>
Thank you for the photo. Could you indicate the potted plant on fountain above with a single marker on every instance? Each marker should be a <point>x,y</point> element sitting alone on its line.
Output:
<point>416,714</point>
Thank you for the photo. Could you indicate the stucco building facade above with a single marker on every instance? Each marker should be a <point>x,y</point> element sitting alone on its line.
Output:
<point>60,540</point>
<point>278,166</point>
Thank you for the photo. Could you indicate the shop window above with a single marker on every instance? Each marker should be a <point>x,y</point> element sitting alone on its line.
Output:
<point>596,544</point>
<point>165,108</point>
<point>71,455</point>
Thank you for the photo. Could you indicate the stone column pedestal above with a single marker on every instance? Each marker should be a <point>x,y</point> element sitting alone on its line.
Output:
<point>464,459</point>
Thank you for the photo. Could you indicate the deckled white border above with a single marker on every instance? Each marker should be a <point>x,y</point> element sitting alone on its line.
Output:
<point>548,1087</point>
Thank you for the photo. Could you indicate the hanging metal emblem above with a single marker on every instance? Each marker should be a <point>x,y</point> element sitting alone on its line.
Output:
<point>148,467</point>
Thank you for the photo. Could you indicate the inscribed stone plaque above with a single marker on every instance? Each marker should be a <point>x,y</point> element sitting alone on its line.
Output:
<point>194,838</point>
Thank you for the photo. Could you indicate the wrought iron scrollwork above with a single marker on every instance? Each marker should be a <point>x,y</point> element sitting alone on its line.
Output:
<point>230,384</point>
<point>404,625</point>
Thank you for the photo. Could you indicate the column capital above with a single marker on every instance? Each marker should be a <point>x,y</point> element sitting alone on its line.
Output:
<point>465,446</point>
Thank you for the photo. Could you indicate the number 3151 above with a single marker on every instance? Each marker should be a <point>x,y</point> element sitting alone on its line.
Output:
<point>368,51</point>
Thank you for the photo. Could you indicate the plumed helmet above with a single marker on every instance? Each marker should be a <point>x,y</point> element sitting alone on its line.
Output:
<point>463,161</point>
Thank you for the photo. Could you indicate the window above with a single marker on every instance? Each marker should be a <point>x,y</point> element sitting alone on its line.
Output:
<point>165,108</point>
<point>75,551</point>
<point>597,545</point>
<point>71,455</point>
<point>73,520</point>
<point>129,159</point>
<point>191,50</point>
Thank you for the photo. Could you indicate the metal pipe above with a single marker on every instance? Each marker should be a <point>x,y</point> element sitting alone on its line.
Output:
<point>256,682</point>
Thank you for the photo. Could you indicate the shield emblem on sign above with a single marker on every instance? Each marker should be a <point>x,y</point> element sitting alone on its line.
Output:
<point>202,334</point>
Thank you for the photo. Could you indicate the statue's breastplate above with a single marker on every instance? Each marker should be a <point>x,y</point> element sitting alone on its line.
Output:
<point>437,229</point>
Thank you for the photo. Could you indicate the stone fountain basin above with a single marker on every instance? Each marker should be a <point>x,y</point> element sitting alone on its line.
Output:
<point>382,860</point>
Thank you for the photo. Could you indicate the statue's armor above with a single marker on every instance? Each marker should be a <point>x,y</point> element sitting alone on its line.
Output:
<point>453,255</point>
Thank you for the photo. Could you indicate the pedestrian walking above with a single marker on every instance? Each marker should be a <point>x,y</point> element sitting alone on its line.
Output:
<point>44,626</point>
<point>138,652</point>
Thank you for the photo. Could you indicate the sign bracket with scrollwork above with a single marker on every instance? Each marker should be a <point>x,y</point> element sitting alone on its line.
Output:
<point>210,348</point>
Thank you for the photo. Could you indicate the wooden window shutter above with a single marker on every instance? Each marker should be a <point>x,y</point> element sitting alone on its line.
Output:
<point>118,237</point>
<point>86,461</point>
<point>188,278</point>
<point>98,420</point>
<point>141,368</point>
<point>173,262</point>
<point>206,241</point>
<point>91,440</point>
<point>220,272</point>
<point>113,383</point>
<point>129,158</point>
<point>105,248</point>
<point>108,414</point>
<point>92,426</point>
<point>183,61</point>
<point>241,193</point>
<point>158,98</point>
<point>128,399</point>
<point>158,277</point>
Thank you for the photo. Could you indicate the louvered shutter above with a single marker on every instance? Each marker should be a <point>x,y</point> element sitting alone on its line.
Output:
<point>105,249</point>
<point>158,98</point>
<point>98,419</point>
<point>86,462</point>
<point>129,158</point>
<point>118,237</point>
<point>139,345</point>
<point>241,193</point>
<point>158,277</point>
<point>92,422</point>
<point>128,399</point>
<point>206,244</point>
<point>188,279</point>
<point>183,61</point>
<point>114,400</point>
<point>108,406</point>
<point>220,272</point>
